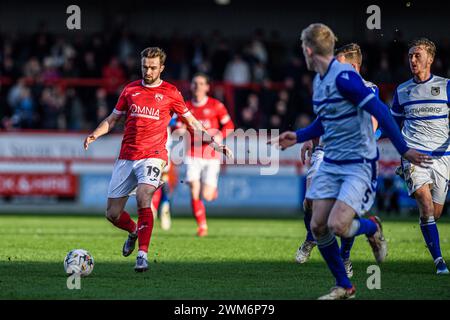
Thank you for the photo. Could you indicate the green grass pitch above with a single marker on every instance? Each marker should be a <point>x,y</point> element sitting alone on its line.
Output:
<point>241,259</point>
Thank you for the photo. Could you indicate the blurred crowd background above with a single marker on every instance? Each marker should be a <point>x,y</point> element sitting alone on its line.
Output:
<point>266,74</point>
<point>55,78</point>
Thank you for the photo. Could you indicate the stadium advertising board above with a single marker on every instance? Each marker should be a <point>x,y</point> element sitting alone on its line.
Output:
<point>38,184</point>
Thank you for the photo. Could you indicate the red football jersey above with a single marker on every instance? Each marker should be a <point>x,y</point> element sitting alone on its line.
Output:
<point>215,118</point>
<point>148,111</point>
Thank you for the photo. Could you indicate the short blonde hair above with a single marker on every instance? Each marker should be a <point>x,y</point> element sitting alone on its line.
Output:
<point>154,52</point>
<point>320,38</point>
<point>429,45</point>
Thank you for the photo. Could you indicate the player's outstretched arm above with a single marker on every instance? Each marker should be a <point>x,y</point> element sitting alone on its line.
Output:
<point>289,138</point>
<point>352,88</point>
<point>197,126</point>
<point>103,128</point>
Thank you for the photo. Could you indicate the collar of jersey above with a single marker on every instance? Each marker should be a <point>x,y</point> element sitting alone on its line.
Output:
<point>151,85</point>
<point>328,69</point>
<point>424,81</point>
<point>201,103</point>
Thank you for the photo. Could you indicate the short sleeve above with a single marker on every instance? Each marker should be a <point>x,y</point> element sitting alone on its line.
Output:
<point>222,114</point>
<point>121,105</point>
<point>178,105</point>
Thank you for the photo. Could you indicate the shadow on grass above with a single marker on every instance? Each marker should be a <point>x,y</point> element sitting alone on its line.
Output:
<point>216,280</point>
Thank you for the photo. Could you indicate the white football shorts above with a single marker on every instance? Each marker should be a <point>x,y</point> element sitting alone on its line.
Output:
<point>437,175</point>
<point>354,184</point>
<point>316,160</point>
<point>204,170</point>
<point>127,174</point>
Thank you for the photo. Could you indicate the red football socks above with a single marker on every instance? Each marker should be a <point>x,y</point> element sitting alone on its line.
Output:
<point>125,222</point>
<point>145,228</point>
<point>198,209</point>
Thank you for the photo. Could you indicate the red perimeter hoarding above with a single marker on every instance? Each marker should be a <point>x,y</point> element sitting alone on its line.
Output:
<point>13,184</point>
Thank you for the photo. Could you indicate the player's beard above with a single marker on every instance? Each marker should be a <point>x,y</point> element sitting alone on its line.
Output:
<point>151,81</point>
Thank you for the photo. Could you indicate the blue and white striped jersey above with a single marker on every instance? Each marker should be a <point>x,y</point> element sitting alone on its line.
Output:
<point>348,132</point>
<point>372,86</point>
<point>423,106</point>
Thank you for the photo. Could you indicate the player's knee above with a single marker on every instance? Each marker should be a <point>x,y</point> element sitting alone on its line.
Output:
<point>426,208</point>
<point>111,215</point>
<point>317,229</point>
<point>144,202</point>
<point>144,196</point>
<point>338,228</point>
<point>208,195</point>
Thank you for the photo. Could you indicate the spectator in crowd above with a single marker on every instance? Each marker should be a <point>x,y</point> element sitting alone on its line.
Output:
<point>22,105</point>
<point>272,66</point>
<point>52,102</point>
<point>250,116</point>
<point>237,71</point>
<point>32,68</point>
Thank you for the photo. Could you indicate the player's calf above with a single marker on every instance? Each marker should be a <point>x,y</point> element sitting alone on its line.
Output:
<point>377,241</point>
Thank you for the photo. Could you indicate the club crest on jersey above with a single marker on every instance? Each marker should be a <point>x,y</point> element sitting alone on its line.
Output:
<point>158,97</point>
<point>435,91</point>
<point>144,112</point>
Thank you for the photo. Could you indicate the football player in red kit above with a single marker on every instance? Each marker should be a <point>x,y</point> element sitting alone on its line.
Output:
<point>202,162</point>
<point>148,106</point>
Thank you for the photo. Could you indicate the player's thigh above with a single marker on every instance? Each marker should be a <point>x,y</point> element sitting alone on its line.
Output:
<point>341,218</point>
<point>438,208</point>
<point>123,179</point>
<point>193,169</point>
<point>144,194</point>
<point>316,160</point>
<point>416,178</point>
<point>358,188</point>
<point>424,200</point>
<point>148,173</point>
<point>210,179</point>
<point>307,203</point>
<point>115,207</point>
<point>440,171</point>
<point>325,183</point>
<point>321,211</point>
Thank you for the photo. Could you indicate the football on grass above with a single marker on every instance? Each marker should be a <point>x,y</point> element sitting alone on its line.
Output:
<point>79,261</point>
